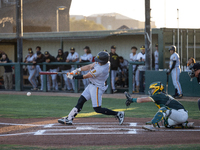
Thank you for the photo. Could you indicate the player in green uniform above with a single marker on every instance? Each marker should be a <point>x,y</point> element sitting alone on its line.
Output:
<point>170,110</point>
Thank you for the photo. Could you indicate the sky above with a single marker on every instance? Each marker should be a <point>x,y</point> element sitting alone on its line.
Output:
<point>163,12</point>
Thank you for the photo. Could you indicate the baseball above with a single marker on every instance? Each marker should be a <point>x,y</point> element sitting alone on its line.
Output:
<point>28,94</point>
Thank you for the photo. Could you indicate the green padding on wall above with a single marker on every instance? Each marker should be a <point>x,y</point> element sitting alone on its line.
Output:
<point>189,88</point>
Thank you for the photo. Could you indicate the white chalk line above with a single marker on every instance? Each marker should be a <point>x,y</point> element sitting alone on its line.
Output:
<point>14,124</point>
<point>17,134</point>
<point>91,133</point>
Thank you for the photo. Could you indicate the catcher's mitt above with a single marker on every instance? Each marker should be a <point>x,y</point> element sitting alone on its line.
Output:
<point>128,99</point>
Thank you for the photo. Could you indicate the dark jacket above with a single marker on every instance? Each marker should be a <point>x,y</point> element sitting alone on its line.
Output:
<point>40,60</point>
<point>114,60</point>
<point>7,68</point>
<point>52,59</point>
<point>63,59</point>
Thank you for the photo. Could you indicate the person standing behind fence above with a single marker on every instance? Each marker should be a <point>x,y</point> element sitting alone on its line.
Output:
<point>133,58</point>
<point>40,59</point>
<point>61,57</point>
<point>156,58</point>
<point>32,70</point>
<point>72,57</point>
<point>38,49</point>
<point>87,57</point>
<point>51,68</point>
<point>7,76</point>
<point>124,70</point>
<point>141,58</point>
<point>114,60</point>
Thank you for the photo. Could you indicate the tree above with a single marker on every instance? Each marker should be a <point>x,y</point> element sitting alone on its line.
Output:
<point>84,25</point>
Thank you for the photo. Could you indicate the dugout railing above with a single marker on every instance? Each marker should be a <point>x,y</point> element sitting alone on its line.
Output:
<point>19,74</point>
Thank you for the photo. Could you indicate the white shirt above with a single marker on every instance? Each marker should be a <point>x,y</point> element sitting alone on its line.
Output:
<point>73,57</point>
<point>133,58</point>
<point>100,74</point>
<point>139,57</point>
<point>87,57</point>
<point>174,57</point>
<point>32,58</point>
<point>124,65</point>
<point>156,56</point>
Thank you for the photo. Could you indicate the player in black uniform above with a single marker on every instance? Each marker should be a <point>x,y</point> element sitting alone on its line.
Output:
<point>170,110</point>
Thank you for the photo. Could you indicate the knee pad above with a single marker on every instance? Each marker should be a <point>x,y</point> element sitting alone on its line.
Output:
<point>80,103</point>
<point>159,116</point>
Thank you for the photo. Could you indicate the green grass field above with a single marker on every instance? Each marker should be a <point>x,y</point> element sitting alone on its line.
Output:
<point>21,106</point>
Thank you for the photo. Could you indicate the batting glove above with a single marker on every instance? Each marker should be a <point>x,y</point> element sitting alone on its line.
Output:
<point>70,76</point>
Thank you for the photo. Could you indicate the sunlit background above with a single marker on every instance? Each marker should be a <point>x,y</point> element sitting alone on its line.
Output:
<point>163,12</point>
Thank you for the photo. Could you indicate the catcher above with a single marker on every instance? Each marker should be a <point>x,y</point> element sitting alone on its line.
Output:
<point>98,74</point>
<point>195,69</point>
<point>170,110</point>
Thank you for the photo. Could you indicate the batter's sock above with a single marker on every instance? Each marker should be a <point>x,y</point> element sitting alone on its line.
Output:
<point>105,111</point>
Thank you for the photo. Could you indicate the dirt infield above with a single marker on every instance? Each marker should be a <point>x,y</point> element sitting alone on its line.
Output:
<point>91,131</point>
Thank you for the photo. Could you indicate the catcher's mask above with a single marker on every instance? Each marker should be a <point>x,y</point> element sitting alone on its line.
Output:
<point>155,87</point>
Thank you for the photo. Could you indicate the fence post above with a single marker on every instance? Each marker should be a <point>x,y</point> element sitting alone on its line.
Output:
<point>130,76</point>
<point>18,77</point>
<point>44,79</point>
<point>109,84</point>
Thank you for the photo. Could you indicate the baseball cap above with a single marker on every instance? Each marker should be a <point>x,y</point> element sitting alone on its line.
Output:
<point>72,48</point>
<point>113,47</point>
<point>46,53</point>
<point>29,49</point>
<point>38,53</point>
<point>156,45</point>
<point>142,47</point>
<point>86,47</point>
<point>30,52</point>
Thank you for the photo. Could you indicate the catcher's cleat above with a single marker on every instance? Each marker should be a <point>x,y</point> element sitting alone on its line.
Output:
<point>120,117</point>
<point>65,121</point>
<point>149,127</point>
<point>129,99</point>
<point>188,125</point>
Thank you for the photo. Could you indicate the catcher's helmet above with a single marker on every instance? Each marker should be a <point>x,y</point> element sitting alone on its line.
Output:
<point>102,57</point>
<point>157,87</point>
<point>172,47</point>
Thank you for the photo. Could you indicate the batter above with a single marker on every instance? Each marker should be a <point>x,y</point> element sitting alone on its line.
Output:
<point>170,110</point>
<point>98,74</point>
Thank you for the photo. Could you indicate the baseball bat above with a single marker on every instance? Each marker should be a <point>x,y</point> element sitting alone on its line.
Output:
<point>50,73</point>
<point>167,84</point>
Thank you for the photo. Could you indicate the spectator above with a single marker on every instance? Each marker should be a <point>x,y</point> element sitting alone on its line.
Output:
<point>1,52</point>
<point>51,68</point>
<point>124,70</point>
<point>156,57</point>
<point>40,59</point>
<point>87,57</point>
<point>72,57</point>
<point>133,57</point>
<point>38,69</point>
<point>32,70</point>
<point>141,57</point>
<point>114,60</point>
<point>61,57</point>
<point>7,76</point>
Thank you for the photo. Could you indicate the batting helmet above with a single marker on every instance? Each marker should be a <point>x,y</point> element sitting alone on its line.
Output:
<point>102,57</point>
<point>155,87</point>
<point>172,47</point>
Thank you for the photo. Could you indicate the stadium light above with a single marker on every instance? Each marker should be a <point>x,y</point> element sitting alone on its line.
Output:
<point>57,15</point>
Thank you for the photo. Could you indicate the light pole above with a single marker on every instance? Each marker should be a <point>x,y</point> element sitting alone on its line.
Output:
<point>57,16</point>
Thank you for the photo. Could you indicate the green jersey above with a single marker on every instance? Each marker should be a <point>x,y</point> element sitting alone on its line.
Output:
<point>162,100</point>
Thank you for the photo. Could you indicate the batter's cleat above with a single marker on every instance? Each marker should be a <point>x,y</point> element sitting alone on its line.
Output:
<point>65,121</point>
<point>34,89</point>
<point>120,117</point>
<point>149,127</point>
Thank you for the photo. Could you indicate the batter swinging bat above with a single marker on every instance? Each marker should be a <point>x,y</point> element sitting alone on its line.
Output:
<point>50,73</point>
<point>167,84</point>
